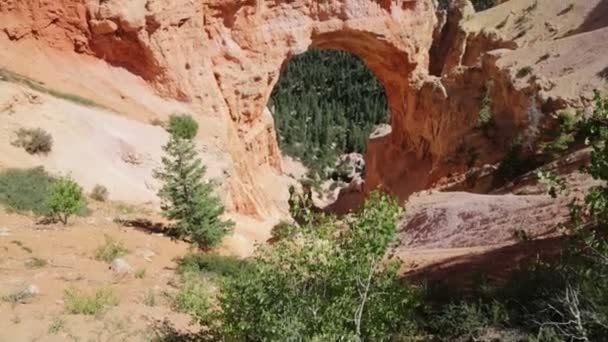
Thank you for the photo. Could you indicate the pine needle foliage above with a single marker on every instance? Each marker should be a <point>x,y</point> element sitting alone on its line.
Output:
<point>186,198</point>
<point>326,104</point>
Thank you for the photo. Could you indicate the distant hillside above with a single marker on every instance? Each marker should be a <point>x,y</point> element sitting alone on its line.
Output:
<point>326,104</point>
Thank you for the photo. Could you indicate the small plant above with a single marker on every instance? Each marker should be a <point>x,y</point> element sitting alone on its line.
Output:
<point>521,236</point>
<point>57,326</point>
<point>36,263</point>
<point>110,250</point>
<point>79,303</point>
<point>486,115</point>
<point>524,72</point>
<point>150,298</point>
<point>555,184</point>
<point>34,140</point>
<point>25,190</point>
<point>183,126</point>
<point>65,199</point>
<point>140,274</point>
<point>192,298</point>
<point>99,193</point>
<point>227,266</point>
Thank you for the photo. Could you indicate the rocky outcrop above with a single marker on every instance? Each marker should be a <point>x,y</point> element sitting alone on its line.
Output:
<point>224,57</point>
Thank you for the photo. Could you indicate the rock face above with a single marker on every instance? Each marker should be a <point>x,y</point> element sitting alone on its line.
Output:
<point>224,57</point>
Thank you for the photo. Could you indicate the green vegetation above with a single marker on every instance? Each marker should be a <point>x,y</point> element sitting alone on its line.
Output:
<point>192,298</point>
<point>34,140</point>
<point>182,126</point>
<point>325,104</point>
<point>57,325</point>
<point>99,193</point>
<point>150,298</point>
<point>524,71</point>
<point>65,199</point>
<point>79,303</point>
<point>212,264</point>
<point>486,115</point>
<point>327,283</point>
<point>514,164</point>
<point>187,199</point>
<point>9,76</point>
<point>110,250</point>
<point>36,263</point>
<point>25,190</point>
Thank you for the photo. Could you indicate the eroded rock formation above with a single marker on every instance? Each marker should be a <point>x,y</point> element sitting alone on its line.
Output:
<point>224,57</point>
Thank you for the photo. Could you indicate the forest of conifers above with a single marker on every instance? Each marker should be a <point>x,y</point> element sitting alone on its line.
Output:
<point>325,104</point>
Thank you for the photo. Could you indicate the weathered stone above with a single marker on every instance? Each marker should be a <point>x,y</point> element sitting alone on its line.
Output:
<point>103,26</point>
<point>121,266</point>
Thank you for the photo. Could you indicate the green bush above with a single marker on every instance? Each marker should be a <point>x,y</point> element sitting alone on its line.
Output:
<point>323,286</point>
<point>99,193</point>
<point>26,190</point>
<point>79,303</point>
<point>34,140</point>
<point>283,230</point>
<point>110,250</point>
<point>183,126</point>
<point>65,199</point>
<point>192,298</point>
<point>227,266</point>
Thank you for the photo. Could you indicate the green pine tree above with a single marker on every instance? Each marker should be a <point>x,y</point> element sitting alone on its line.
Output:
<point>186,199</point>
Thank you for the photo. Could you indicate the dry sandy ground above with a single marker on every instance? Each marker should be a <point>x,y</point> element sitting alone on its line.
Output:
<point>71,263</point>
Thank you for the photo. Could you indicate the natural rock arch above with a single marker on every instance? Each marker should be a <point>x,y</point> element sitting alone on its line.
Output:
<point>223,57</point>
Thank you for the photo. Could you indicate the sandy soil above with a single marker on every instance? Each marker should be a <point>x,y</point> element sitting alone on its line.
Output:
<point>71,263</point>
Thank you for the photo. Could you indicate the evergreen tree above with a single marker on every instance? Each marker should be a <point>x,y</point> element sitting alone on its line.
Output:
<point>188,200</point>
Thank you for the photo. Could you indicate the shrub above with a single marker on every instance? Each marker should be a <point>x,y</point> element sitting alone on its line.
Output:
<point>183,126</point>
<point>323,286</point>
<point>186,199</point>
<point>227,266</point>
<point>110,250</point>
<point>99,193</point>
<point>150,298</point>
<point>79,303</point>
<point>192,298</point>
<point>523,72</point>
<point>25,190</point>
<point>514,164</point>
<point>283,230</point>
<point>467,319</point>
<point>65,199</point>
<point>34,140</point>
<point>36,263</point>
